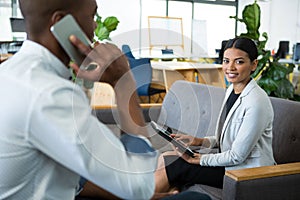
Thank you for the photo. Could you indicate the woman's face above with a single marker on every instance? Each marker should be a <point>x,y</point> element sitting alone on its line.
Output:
<point>237,66</point>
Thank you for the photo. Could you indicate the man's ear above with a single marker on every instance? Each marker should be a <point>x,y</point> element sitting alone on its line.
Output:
<point>57,16</point>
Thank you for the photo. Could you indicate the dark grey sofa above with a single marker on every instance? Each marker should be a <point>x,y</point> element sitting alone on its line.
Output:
<point>193,108</point>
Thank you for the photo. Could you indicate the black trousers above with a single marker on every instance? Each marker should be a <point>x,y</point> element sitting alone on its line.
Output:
<point>186,195</point>
<point>183,174</point>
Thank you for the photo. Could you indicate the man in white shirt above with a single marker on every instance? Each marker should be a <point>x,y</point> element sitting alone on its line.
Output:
<point>48,136</point>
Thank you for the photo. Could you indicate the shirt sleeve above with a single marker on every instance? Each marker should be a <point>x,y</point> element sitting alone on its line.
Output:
<point>137,144</point>
<point>62,126</point>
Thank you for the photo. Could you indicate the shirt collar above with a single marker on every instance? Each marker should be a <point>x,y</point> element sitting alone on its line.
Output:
<point>54,64</point>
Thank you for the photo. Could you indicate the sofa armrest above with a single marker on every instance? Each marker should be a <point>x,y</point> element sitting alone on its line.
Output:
<point>269,182</point>
<point>264,172</point>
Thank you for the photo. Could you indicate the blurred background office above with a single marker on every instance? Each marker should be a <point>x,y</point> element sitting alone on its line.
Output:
<point>205,23</point>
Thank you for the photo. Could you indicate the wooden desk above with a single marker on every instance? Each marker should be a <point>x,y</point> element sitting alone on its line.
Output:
<point>169,72</point>
<point>143,105</point>
<point>4,57</point>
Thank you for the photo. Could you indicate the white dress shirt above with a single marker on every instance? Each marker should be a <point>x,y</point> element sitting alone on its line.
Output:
<point>246,135</point>
<point>49,138</point>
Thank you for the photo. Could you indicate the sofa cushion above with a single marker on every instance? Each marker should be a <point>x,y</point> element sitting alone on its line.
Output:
<point>214,193</point>
<point>286,128</point>
<point>192,108</point>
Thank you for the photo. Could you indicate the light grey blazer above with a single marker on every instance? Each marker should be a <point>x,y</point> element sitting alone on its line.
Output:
<point>245,137</point>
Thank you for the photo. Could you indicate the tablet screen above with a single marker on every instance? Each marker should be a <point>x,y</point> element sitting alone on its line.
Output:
<point>166,135</point>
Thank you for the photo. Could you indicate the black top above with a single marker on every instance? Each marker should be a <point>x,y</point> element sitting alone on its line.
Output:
<point>230,101</point>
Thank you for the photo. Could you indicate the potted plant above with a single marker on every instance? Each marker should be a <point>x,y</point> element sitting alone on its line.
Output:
<point>102,32</point>
<point>104,28</point>
<point>271,75</point>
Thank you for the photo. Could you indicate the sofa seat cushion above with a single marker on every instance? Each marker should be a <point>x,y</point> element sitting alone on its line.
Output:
<point>214,193</point>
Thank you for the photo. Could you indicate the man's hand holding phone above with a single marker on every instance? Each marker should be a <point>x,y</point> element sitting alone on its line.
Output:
<point>111,63</point>
<point>111,67</point>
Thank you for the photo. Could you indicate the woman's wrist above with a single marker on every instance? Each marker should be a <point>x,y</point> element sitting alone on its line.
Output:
<point>199,141</point>
<point>196,142</point>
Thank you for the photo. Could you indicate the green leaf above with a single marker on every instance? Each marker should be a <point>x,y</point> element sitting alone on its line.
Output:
<point>97,30</point>
<point>98,19</point>
<point>104,28</point>
<point>285,89</point>
<point>262,62</point>
<point>111,23</point>
<point>251,16</point>
<point>262,44</point>
<point>267,84</point>
<point>277,71</point>
<point>102,33</point>
<point>290,67</point>
<point>237,19</point>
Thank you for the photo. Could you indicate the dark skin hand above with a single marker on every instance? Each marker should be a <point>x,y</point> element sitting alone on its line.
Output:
<point>188,140</point>
<point>111,64</point>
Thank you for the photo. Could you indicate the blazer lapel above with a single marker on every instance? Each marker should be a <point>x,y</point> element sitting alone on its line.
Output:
<point>238,102</point>
<point>226,120</point>
<point>220,123</point>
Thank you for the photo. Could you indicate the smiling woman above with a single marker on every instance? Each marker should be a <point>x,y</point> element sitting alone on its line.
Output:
<point>239,62</point>
<point>243,134</point>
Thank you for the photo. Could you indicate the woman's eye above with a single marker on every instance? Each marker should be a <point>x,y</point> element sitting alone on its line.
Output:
<point>239,61</point>
<point>225,61</point>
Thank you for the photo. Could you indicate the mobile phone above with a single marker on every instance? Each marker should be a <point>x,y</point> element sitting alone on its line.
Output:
<point>62,30</point>
<point>166,135</point>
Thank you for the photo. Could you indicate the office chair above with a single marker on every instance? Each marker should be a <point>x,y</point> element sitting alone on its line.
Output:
<point>283,49</point>
<point>142,71</point>
<point>296,52</point>
<point>127,51</point>
<point>220,58</point>
<point>17,24</point>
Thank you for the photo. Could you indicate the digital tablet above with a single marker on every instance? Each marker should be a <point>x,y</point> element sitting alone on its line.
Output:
<point>166,135</point>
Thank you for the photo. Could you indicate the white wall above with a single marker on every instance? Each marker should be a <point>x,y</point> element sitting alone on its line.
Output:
<point>279,18</point>
<point>128,13</point>
<point>284,23</point>
<point>133,26</point>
